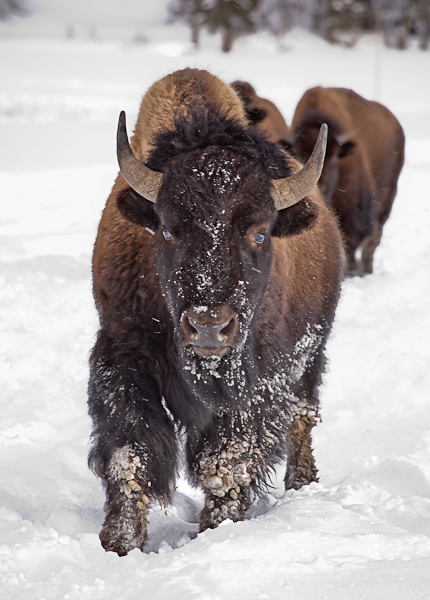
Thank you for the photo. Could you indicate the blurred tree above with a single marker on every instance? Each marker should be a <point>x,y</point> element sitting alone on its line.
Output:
<point>341,21</point>
<point>9,8</point>
<point>279,16</point>
<point>276,16</point>
<point>417,15</point>
<point>233,18</point>
<point>192,12</point>
<point>390,19</point>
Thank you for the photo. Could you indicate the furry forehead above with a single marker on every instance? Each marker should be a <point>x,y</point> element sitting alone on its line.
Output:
<point>214,185</point>
<point>205,128</point>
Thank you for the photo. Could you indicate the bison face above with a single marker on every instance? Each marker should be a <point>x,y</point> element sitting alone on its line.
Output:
<point>214,249</point>
<point>214,208</point>
<point>213,220</point>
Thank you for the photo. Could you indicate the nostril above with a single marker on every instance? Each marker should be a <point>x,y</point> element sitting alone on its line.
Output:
<point>191,328</point>
<point>228,329</point>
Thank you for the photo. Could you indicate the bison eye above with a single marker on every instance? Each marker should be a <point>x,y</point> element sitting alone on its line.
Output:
<point>259,238</point>
<point>167,235</point>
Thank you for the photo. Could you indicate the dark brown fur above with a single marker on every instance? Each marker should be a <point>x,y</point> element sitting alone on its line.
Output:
<point>360,174</point>
<point>262,113</point>
<point>236,413</point>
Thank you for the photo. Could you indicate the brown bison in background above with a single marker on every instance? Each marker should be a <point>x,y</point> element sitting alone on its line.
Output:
<point>262,113</point>
<point>365,153</point>
<point>216,274</point>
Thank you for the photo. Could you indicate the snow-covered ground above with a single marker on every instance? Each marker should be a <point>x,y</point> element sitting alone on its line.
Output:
<point>363,532</point>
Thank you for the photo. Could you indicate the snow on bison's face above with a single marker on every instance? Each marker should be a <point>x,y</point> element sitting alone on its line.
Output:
<point>214,247</point>
<point>214,211</point>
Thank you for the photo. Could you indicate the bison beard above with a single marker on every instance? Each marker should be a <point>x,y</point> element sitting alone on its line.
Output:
<point>239,413</point>
<point>220,384</point>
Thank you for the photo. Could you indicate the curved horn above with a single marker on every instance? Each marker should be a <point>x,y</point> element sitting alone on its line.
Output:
<point>143,180</point>
<point>290,190</point>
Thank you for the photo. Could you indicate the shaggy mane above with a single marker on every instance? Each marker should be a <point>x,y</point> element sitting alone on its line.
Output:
<point>205,128</point>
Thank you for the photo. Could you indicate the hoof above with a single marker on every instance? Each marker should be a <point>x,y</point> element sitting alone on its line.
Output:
<point>124,531</point>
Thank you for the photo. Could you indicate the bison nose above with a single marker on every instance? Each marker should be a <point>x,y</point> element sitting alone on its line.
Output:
<point>209,336</point>
<point>210,327</point>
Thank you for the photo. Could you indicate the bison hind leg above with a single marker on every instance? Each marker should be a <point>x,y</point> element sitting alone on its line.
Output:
<point>369,247</point>
<point>301,469</point>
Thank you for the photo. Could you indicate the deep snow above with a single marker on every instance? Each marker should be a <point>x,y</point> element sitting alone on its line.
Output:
<point>363,531</point>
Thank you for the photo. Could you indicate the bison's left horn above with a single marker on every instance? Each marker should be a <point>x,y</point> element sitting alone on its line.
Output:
<point>290,190</point>
<point>143,180</point>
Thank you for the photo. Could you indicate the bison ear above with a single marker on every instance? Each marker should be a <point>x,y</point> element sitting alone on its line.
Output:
<point>137,209</point>
<point>295,219</point>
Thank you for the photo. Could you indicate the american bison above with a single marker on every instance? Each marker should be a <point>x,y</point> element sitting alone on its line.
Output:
<point>365,153</point>
<point>216,274</point>
<point>262,113</point>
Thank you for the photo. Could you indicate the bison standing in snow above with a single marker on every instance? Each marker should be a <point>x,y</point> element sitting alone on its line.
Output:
<point>216,272</point>
<point>365,153</point>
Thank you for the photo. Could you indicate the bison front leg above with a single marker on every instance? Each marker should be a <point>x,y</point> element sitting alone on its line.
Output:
<point>227,478</point>
<point>231,460</point>
<point>301,469</point>
<point>134,444</point>
<point>127,502</point>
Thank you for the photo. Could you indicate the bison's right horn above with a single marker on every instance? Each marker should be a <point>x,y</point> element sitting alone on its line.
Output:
<point>290,190</point>
<point>143,180</point>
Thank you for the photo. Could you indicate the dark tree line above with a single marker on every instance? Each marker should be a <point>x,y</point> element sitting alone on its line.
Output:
<point>337,21</point>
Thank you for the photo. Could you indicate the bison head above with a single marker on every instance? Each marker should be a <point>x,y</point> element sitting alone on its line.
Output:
<point>339,146</point>
<point>215,209</point>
